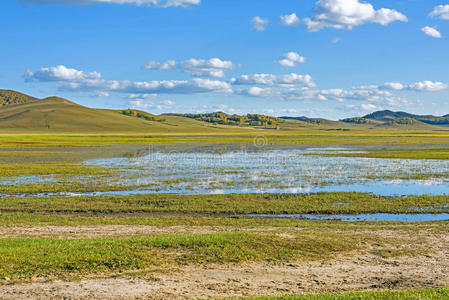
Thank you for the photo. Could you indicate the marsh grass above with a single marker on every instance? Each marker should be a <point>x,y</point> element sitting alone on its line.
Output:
<point>368,295</point>
<point>429,153</point>
<point>306,136</point>
<point>27,258</point>
<point>229,204</point>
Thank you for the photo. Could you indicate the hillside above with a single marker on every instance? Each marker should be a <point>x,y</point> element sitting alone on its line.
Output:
<point>249,120</point>
<point>403,117</point>
<point>315,121</point>
<point>9,97</point>
<point>60,115</point>
<point>23,113</point>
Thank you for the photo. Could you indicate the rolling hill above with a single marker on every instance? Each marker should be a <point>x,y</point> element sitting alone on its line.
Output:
<point>23,113</point>
<point>390,118</point>
<point>9,97</point>
<point>55,114</point>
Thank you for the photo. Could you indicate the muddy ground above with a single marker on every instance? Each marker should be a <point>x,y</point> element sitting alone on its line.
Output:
<point>356,271</point>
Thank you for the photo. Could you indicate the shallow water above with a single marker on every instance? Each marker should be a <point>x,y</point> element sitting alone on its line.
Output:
<point>233,169</point>
<point>362,217</point>
<point>278,170</point>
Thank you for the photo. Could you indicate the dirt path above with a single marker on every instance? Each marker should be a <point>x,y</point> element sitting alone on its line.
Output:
<point>115,230</point>
<point>346,273</point>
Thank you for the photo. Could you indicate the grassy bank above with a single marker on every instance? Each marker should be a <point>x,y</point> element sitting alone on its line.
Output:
<point>307,136</point>
<point>22,259</point>
<point>230,204</point>
<point>368,295</point>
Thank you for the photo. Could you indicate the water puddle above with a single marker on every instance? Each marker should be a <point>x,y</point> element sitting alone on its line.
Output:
<point>232,169</point>
<point>362,217</point>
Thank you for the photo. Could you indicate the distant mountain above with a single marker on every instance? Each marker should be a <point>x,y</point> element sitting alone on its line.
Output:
<point>406,118</point>
<point>9,97</point>
<point>304,119</point>
<point>314,121</point>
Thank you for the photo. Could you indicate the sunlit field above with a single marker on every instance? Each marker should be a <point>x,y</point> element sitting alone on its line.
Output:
<point>91,207</point>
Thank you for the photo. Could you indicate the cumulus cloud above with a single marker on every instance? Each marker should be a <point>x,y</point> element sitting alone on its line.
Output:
<point>213,67</point>
<point>290,59</point>
<point>370,95</point>
<point>428,86</point>
<point>290,20</point>
<point>72,79</point>
<point>259,23</point>
<point>440,11</point>
<point>270,79</point>
<point>345,14</point>
<point>101,94</point>
<point>59,73</point>
<point>420,86</point>
<point>259,92</point>
<point>396,86</point>
<point>155,65</point>
<point>146,102</point>
<point>431,31</point>
<point>335,40</point>
<point>157,3</point>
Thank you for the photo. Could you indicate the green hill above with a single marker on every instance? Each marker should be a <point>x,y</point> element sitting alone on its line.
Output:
<point>249,120</point>
<point>9,97</point>
<point>60,115</point>
<point>23,113</point>
<point>403,117</point>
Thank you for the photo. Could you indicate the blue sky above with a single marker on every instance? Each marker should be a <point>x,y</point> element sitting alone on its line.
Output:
<point>327,58</point>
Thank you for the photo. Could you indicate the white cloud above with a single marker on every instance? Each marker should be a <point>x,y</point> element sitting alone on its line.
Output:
<point>345,14</point>
<point>428,86</point>
<point>362,94</point>
<point>157,3</point>
<point>73,79</point>
<point>59,73</point>
<point>420,86</point>
<point>431,31</point>
<point>396,86</point>
<point>290,59</point>
<point>290,20</point>
<point>216,107</point>
<point>101,94</point>
<point>440,11</point>
<point>155,65</point>
<point>213,67</point>
<point>142,102</point>
<point>335,40</point>
<point>368,106</point>
<point>259,23</point>
<point>255,91</point>
<point>270,79</point>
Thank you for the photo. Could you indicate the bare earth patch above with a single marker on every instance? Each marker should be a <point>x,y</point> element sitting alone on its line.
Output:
<point>114,230</point>
<point>351,273</point>
<point>357,271</point>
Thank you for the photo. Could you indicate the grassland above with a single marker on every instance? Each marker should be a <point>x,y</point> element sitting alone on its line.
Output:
<point>178,233</point>
<point>23,258</point>
<point>382,295</point>
<point>231,204</point>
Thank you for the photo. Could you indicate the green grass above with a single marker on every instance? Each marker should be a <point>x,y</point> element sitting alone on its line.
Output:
<point>232,204</point>
<point>245,136</point>
<point>368,295</point>
<point>162,221</point>
<point>26,258</point>
<point>434,153</point>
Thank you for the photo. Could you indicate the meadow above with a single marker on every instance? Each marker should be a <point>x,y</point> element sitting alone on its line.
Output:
<point>160,239</point>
